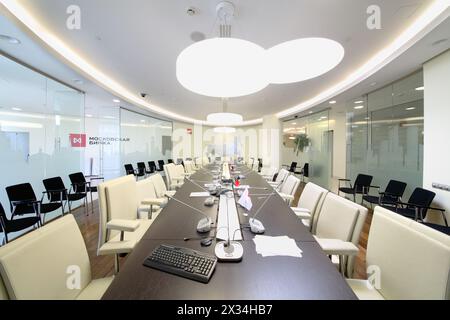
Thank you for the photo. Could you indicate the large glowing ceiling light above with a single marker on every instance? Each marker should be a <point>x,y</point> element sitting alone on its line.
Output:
<point>227,118</point>
<point>302,59</point>
<point>224,130</point>
<point>222,67</point>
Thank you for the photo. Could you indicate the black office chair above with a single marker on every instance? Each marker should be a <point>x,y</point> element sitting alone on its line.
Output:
<point>129,170</point>
<point>260,164</point>
<point>161,165</point>
<point>57,192</point>
<point>8,226</point>
<point>152,166</point>
<point>361,186</point>
<point>81,185</point>
<point>142,169</point>
<point>417,206</point>
<point>170,161</point>
<point>393,193</point>
<point>180,161</point>
<point>292,167</point>
<point>22,200</point>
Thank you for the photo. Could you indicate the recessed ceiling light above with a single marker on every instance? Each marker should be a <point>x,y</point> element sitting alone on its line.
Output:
<point>294,123</point>
<point>225,118</point>
<point>109,117</point>
<point>332,102</point>
<point>359,107</point>
<point>367,118</point>
<point>358,102</point>
<point>224,130</point>
<point>16,109</point>
<point>89,115</point>
<point>9,39</point>
<point>291,138</point>
<point>142,121</point>
<point>420,88</point>
<point>302,59</point>
<point>116,100</point>
<point>410,108</point>
<point>310,112</point>
<point>373,84</point>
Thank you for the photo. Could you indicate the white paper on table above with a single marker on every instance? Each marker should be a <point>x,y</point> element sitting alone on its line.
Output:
<point>245,200</point>
<point>277,246</point>
<point>199,194</point>
<point>243,186</point>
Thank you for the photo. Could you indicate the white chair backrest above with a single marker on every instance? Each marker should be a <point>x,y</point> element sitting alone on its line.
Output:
<point>413,260</point>
<point>189,166</point>
<point>337,218</point>
<point>312,198</point>
<point>268,171</point>
<point>145,189</point>
<point>104,215</point>
<point>167,173</point>
<point>160,186</point>
<point>178,171</point>
<point>282,175</point>
<point>290,185</point>
<point>35,266</point>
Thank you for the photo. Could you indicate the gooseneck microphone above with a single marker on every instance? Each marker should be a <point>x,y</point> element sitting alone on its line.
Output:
<point>256,226</point>
<point>204,225</point>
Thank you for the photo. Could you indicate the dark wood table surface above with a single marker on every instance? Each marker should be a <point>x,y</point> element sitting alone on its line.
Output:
<point>311,277</point>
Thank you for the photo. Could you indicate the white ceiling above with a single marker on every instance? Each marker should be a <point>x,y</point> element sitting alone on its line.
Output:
<point>136,42</point>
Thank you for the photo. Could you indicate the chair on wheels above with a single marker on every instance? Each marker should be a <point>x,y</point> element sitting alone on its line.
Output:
<point>22,200</point>
<point>170,161</point>
<point>57,192</point>
<point>8,226</point>
<point>393,193</point>
<point>81,185</point>
<point>361,186</point>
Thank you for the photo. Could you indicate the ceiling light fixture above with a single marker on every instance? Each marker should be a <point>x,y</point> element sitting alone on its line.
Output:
<point>433,15</point>
<point>359,107</point>
<point>410,108</point>
<point>420,88</point>
<point>16,109</point>
<point>116,100</point>
<point>8,39</point>
<point>332,102</point>
<point>224,130</point>
<point>360,101</point>
<point>225,117</point>
<point>89,115</point>
<point>302,59</point>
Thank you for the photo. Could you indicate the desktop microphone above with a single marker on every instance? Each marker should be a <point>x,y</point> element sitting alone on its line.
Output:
<point>204,225</point>
<point>256,226</point>
<point>229,250</point>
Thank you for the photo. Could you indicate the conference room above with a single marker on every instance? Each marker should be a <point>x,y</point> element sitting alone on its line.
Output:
<point>218,151</point>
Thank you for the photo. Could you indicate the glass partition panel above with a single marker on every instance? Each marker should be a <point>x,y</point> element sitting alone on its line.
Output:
<point>37,116</point>
<point>144,138</point>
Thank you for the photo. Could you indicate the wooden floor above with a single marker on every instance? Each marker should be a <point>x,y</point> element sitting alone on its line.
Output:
<point>103,266</point>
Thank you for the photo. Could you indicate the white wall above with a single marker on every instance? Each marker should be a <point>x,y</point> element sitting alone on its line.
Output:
<point>437,128</point>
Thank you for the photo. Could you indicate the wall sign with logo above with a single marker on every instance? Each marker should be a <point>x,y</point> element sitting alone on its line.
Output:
<point>80,140</point>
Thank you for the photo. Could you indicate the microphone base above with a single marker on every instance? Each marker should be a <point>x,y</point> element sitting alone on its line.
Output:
<point>231,253</point>
<point>204,225</point>
<point>256,226</point>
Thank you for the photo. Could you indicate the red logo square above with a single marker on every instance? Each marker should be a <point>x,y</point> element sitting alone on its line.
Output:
<point>77,140</point>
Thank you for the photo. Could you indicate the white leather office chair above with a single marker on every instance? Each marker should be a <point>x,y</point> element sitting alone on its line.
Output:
<point>174,175</point>
<point>149,205</point>
<point>268,173</point>
<point>338,229</point>
<point>42,264</point>
<point>281,178</point>
<point>119,226</point>
<point>289,188</point>
<point>160,188</point>
<point>310,203</point>
<point>413,260</point>
<point>189,167</point>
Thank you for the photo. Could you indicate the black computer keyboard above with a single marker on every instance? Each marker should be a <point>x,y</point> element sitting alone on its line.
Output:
<point>184,262</point>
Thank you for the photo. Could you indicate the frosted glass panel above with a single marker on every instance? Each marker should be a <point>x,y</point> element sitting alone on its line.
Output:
<point>143,138</point>
<point>37,116</point>
<point>386,136</point>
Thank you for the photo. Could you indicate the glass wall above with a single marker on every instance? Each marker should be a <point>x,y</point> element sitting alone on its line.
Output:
<point>318,154</point>
<point>37,117</point>
<point>143,138</point>
<point>385,133</point>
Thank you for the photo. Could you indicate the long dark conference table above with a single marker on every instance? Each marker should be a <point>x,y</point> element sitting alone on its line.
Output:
<point>254,278</point>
